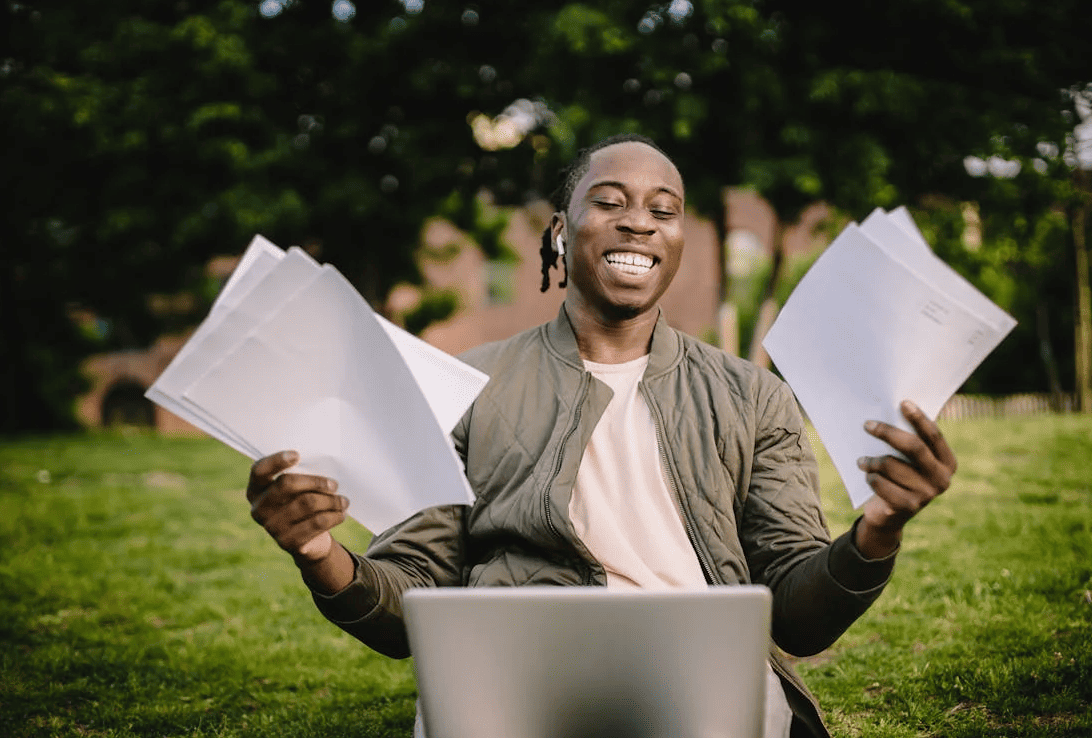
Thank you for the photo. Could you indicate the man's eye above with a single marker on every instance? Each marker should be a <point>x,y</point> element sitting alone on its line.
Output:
<point>661,213</point>
<point>608,204</point>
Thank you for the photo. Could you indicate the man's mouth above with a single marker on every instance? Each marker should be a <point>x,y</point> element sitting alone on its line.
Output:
<point>629,262</point>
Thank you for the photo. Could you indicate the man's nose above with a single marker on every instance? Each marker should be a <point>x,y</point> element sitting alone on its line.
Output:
<point>636,220</point>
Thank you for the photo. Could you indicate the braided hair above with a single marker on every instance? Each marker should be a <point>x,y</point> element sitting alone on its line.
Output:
<point>560,198</point>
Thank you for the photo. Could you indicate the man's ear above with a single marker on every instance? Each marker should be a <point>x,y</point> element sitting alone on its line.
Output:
<point>558,230</point>
<point>557,225</point>
<point>553,250</point>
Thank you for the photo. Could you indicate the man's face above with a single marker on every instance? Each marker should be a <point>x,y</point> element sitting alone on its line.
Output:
<point>624,231</point>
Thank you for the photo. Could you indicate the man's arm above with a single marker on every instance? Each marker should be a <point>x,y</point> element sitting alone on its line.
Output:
<point>860,561</point>
<point>427,550</point>
<point>820,588</point>
<point>360,594</point>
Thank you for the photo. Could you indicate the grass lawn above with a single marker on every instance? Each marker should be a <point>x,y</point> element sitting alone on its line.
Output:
<point>137,598</point>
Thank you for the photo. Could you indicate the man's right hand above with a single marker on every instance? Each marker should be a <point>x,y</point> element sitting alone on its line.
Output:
<point>297,510</point>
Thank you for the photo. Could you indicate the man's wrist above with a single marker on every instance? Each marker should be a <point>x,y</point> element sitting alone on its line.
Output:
<point>876,542</point>
<point>332,573</point>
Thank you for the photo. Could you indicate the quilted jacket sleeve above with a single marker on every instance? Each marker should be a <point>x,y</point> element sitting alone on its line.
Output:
<point>820,587</point>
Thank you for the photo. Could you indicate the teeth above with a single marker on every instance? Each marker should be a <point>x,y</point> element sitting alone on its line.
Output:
<point>629,263</point>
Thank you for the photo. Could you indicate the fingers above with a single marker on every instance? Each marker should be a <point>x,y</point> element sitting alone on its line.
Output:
<point>293,508</point>
<point>265,470</point>
<point>895,470</point>
<point>930,434</point>
<point>306,517</point>
<point>926,451</point>
<point>284,488</point>
<point>905,485</point>
<point>293,498</point>
<point>899,485</point>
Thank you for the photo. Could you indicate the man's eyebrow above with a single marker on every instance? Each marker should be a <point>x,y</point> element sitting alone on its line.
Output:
<point>621,186</point>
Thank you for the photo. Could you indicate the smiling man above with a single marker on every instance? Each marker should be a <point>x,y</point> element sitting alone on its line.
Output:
<point>624,227</point>
<point>609,449</point>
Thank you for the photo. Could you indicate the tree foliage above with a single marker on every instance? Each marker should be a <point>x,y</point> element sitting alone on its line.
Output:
<point>876,104</point>
<point>143,137</point>
<point>1023,208</point>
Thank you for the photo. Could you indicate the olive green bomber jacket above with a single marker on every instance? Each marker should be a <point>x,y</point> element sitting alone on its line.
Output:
<point>732,446</point>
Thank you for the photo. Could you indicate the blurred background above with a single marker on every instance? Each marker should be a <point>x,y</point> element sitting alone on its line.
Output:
<point>414,144</point>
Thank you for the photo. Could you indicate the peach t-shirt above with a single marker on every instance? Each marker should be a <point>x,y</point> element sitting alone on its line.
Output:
<point>626,514</point>
<point>622,507</point>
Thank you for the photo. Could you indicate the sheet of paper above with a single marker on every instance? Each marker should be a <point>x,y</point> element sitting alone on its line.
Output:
<point>901,217</point>
<point>373,411</point>
<point>449,385</point>
<point>890,232</point>
<point>885,229</point>
<point>321,375</point>
<point>258,258</point>
<point>250,303</point>
<point>227,330</point>
<point>865,330</point>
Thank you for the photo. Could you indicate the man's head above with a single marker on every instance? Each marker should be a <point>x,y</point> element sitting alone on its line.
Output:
<point>560,197</point>
<point>620,218</point>
<point>578,167</point>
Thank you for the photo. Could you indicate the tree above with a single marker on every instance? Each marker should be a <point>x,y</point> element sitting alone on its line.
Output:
<point>1032,253</point>
<point>145,137</point>
<point>796,102</point>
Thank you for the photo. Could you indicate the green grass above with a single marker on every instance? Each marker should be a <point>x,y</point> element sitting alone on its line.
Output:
<point>986,626</point>
<point>140,599</point>
<point>137,598</point>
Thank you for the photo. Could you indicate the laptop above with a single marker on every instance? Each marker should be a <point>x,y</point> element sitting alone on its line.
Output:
<point>588,662</point>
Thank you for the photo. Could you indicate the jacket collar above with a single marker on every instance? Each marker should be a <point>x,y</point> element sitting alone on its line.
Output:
<point>665,354</point>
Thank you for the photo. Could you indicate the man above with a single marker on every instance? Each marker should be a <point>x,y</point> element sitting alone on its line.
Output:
<point>610,449</point>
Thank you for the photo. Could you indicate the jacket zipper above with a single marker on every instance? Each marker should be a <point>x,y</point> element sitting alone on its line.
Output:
<point>684,508</point>
<point>561,451</point>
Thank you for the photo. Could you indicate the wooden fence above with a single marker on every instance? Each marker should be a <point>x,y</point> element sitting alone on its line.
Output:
<point>962,407</point>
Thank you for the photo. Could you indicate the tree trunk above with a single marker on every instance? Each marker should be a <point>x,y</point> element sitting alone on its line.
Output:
<point>1084,296</point>
<point>1046,353</point>
<point>727,325</point>
<point>767,312</point>
<point>724,284</point>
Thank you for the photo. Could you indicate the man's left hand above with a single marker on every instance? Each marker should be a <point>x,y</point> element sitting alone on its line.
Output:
<point>902,487</point>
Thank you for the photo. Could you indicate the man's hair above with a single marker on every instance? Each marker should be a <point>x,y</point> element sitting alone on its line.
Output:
<point>569,177</point>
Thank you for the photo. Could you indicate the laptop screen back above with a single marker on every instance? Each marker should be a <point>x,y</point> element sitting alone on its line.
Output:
<point>559,662</point>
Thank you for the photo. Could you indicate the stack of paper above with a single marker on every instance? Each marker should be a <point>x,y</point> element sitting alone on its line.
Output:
<point>292,357</point>
<point>879,319</point>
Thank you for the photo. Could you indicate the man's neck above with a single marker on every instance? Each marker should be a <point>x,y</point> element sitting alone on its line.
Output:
<point>607,341</point>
